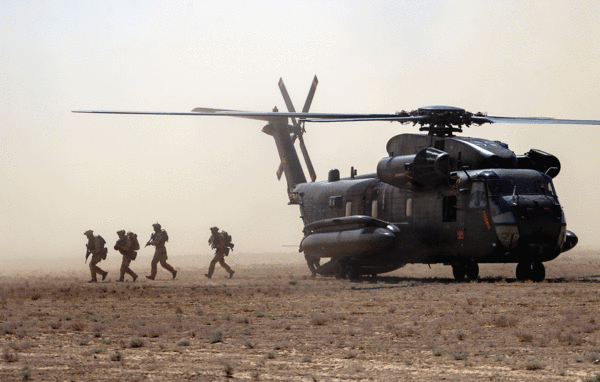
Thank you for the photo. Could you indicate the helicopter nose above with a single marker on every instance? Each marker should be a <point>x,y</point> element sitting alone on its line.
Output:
<point>539,221</point>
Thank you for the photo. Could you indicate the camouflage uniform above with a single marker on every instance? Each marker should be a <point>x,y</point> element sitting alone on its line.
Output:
<point>216,241</point>
<point>158,239</point>
<point>313,262</point>
<point>125,246</point>
<point>96,248</point>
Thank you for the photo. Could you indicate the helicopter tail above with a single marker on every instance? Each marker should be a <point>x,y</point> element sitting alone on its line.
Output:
<point>280,131</point>
<point>285,136</point>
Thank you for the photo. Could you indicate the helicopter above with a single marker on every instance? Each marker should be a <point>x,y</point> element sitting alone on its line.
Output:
<point>436,198</point>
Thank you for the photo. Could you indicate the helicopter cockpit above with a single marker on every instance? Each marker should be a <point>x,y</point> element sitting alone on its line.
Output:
<point>520,186</point>
<point>524,208</point>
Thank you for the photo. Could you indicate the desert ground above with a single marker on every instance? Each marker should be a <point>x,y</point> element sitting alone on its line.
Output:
<point>272,322</point>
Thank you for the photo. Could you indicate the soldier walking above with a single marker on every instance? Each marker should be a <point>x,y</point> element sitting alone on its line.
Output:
<point>158,240</point>
<point>127,245</point>
<point>218,241</point>
<point>314,263</point>
<point>96,248</point>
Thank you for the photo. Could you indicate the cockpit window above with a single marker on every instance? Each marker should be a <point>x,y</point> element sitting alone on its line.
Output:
<point>478,197</point>
<point>499,187</point>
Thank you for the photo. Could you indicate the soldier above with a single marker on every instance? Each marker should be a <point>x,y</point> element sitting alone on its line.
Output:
<point>127,246</point>
<point>313,262</point>
<point>217,241</point>
<point>96,247</point>
<point>158,239</point>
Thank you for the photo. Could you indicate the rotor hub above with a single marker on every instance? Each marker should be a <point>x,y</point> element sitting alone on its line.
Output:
<point>443,121</point>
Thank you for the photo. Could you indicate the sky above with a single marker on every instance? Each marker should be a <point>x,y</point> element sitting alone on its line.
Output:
<point>63,173</point>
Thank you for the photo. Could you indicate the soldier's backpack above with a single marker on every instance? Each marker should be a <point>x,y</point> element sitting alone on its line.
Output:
<point>104,250</point>
<point>135,245</point>
<point>227,241</point>
<point>166,235</point>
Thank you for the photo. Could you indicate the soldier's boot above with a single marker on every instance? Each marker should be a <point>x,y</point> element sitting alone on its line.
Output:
<point>231,274</point>
<point>104,276</point>
<point>93,281</point>
<point>150,277</point>
<point>120,280</point>
<point>174,274</point>
<point>207,275</point>
<point>134,277</point>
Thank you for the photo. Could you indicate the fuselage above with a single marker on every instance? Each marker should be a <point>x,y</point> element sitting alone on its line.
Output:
<point>482,216</point>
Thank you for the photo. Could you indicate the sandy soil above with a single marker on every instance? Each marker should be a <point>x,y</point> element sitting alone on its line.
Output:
<point>273,322</point>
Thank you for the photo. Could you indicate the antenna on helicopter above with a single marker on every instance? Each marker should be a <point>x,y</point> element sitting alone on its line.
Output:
<point>298,127</point>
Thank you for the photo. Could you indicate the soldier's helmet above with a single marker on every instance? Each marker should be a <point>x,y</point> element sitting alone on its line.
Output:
<point>121,232</point>
<point>88,232</point>
<point>214,228</point>
<point>156,225</point>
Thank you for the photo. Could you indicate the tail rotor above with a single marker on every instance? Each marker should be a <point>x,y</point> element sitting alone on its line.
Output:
<point>297,128</point>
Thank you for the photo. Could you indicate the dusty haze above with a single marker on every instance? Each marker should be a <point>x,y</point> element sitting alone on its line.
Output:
<point>62,173</point>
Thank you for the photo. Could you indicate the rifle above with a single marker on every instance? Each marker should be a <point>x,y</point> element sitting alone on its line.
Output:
<point>87,252</point>
<point>150,241</point>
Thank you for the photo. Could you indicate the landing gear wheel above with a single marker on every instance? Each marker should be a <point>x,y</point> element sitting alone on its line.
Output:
<point>538,272</point>
<point>523,271</point>
<point>472,271</point>
<point>459,271</point>
<point>340,270</point>
<point>354,273</point>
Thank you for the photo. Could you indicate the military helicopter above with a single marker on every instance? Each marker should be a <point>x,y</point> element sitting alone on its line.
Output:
<point>436,197</point>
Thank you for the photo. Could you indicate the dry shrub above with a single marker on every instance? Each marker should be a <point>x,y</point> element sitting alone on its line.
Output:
<point>534,364</point>
<point>136,342</point>
<point>504,321</point>
<point>77,326</point>
<point>154,331</point>
<point>243,320</point>
<point>543,341</point>
<point>97,329</point>
<point>183,343</point>
<point>593,357</point>
<point>9,356</point>
<point>216,336</point>
<point>10,327</point>
<point>459,355</point>
<point>319,319</point>
<point>117,356</point>
<point>523,336</point>
<point>407,331</point>
<point>571,338</point>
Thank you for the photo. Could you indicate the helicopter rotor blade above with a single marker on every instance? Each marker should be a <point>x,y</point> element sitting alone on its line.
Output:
<point>534,120</point>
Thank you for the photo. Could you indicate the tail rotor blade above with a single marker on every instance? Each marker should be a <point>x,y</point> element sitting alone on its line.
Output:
<point>309,165</point>
<point>311,94</point>
<point>287,99</point>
